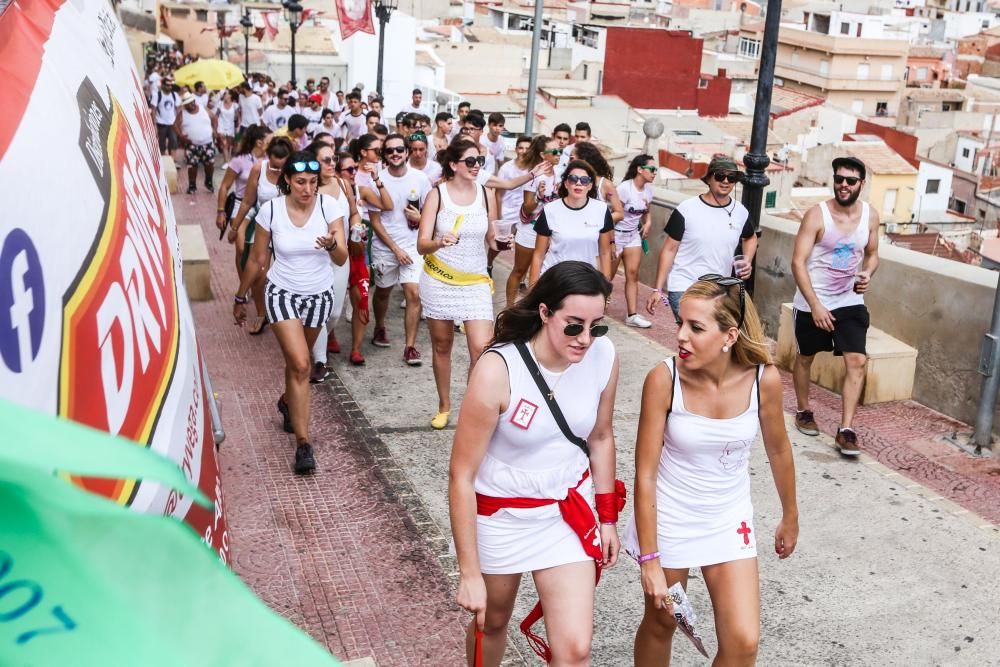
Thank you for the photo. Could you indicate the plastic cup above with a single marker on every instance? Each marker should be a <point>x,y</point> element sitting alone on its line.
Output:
<point>503,233</point>
<point>740,265</point>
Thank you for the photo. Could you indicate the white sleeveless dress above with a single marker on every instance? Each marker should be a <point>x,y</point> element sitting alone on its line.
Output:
<point>704,514</point>
<point>537,461</point>
<point>459,303</point>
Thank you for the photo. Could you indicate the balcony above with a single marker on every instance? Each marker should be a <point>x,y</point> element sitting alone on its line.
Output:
<point>812,77</point>
<point>843,45</point>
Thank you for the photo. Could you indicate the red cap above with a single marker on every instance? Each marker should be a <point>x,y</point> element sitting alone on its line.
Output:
<point>316,97</point>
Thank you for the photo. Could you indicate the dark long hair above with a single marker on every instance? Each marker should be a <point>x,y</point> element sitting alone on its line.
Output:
<point>250,137</point>
<point>579,164</point>
<point>288,171</point>
<point>591,154</point>
<point>361,143</point>
<point>453,153</point>
<point>639,160</point>
<point>538,144</point>
<point>522,321</point>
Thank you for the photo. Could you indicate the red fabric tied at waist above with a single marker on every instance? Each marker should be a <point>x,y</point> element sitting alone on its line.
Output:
<point>359,276</point>
<point>577,513</point>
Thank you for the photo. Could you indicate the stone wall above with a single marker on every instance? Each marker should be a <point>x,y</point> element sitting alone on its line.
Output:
<point>938,306</point>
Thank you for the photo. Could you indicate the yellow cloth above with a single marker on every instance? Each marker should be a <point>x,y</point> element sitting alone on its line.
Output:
<point>437,269</point>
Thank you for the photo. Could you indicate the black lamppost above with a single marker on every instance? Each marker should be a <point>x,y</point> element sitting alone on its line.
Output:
<point>220,25</point>
<point>293,14</point>
<point>247,25</point>
<point>383,11</point>
<point>756,160</point>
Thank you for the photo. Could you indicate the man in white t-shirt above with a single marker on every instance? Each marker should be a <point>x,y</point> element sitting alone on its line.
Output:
<point>416,102</point>
<point>463,110</point>
<point>164,103</point>
<point>354,122</point>
<point>313,111</point>
<point>250,106</point>
<point>201,94</point>
<point>703,233</point>
<point>394,250</point>
<point>277,114</point>
<point>493,139</point>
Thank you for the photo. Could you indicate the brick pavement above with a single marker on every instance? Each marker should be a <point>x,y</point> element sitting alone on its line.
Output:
<point>337,553</point>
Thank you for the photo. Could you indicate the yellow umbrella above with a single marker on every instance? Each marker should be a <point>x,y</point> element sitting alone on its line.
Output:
<point>217,74</point>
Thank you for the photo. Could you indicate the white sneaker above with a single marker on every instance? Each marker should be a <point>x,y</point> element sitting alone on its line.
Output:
<point>638,320</point>
<point>402,304</point>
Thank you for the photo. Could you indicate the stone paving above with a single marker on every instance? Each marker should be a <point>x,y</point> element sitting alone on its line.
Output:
<point>357,555</point>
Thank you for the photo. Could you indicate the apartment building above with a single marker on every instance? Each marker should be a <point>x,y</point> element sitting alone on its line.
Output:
<point>831,56</point>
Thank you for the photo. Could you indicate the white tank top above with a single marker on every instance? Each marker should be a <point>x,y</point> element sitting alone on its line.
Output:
<point>833,263</point>
<point>528,456</point>
<point>227,118</point>
<point>470,254</point>
<point>197,126</point>
<point>266,190</point>
<point>704,462</point>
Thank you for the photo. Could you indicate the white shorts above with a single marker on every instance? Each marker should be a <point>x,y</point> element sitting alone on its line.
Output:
<point>627,240</point>
<point>525,235</point>
<point>388,272</point>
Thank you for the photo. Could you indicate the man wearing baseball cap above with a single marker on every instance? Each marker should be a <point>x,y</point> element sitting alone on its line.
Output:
<point>835,255</point>
<point>703,233</point>
<point>197,129</point>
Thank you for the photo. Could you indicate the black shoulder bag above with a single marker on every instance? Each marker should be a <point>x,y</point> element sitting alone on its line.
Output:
<point>550,399</point>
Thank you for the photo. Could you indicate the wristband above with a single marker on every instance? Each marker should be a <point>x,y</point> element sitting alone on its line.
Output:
<point>647,557</point>
<point>240,300</point>
<point>610,504</point>
<point>658,291</point>
<point>220,210</point>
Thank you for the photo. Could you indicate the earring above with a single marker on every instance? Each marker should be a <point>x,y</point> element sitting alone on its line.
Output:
<point>725,348</point>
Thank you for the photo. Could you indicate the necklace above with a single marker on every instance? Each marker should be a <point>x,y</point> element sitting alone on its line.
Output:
<point>552,389</point>
<point>729,211</point>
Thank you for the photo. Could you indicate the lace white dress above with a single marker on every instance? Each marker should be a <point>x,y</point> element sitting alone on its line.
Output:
<point>459,303</point>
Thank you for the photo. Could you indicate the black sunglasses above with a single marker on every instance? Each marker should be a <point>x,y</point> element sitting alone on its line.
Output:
<point>328,160</point>
<point>851,180</point>
<point>729,281</point>
<point>472,162</point>
<point>311,165</point>
<point>579,180</point>
<point>727,177</point>
<point>389,150</point>
<point>574,329</point>
<point>349,170</point>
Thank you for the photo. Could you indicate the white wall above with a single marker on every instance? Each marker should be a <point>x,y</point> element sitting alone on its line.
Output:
<point>361,54</point>
<point>582,53</point>
<point>963,145</point>
<point>924,202</point>
<point>959,25</point>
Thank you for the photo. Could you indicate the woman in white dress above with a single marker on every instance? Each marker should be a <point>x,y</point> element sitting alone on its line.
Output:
<point>521,492</point>
<point>228,114</point>
<point>454,288</point>
<point>700,416</point>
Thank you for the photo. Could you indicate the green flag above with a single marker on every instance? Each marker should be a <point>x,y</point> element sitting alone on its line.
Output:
<point>84,581</point>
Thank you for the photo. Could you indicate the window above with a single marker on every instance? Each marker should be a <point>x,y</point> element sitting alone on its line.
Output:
<point>965,152</point>
<point>881,108</point>
<point>770,199</point>
<point>933,185</point>
<point>703,83</point>
<point>887,72</point>
<point>864,70</point>
<point>957,206</point>
<point>921,74</point>
<point>749,48</point>
<point>845,28</point>
<point>201,15</point>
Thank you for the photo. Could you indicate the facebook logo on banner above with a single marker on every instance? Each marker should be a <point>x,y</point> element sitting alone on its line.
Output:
<point>22,301</point>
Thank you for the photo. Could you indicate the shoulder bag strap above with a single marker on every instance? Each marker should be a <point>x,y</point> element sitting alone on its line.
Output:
<point>550,400</point>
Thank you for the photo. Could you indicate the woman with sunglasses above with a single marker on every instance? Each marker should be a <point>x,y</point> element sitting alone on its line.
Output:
<point>702,234</point>
<point>305,231</point>
<point>528,156</point>
<point>419,158</point>
<point>521,493</point>
<point>454,285</point>
<point>701,413</point>
<point>249,152</point>
<point>605,188</point>
<point>367,152</point>
<point>636,195</point>
<point>331,186</point>
<point>544,189</point>
<point>357,248</point>
<point>575,226</point>
<point>262,187</point>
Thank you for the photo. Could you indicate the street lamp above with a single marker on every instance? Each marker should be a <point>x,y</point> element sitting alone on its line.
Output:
<point>383,11</point>
<point>220,25</point>
<point>247,25</point>
<point>293,14</point>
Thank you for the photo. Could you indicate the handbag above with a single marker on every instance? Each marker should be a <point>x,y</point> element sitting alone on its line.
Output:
<point>550,398</point>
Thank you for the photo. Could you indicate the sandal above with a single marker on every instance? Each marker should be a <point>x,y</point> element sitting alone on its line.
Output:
<point>440,420</point>
<point>260,325</point>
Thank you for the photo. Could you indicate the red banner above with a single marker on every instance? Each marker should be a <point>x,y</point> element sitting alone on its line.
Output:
<point>355,16</point>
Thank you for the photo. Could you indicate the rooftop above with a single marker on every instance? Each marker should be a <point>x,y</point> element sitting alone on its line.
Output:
<point>929,243</point>
<point>935,95</point>
<point>785,101</point>
<point>878,157</point>
<point>926,51</point>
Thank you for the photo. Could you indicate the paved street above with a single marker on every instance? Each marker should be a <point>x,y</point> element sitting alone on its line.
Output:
<point>897,561</point>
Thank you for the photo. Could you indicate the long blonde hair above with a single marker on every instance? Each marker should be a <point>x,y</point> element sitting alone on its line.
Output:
<point>751,347</point>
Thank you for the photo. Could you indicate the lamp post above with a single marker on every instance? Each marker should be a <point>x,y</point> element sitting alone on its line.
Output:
<point>220,26</point>
<point>383,11</point>
<point>536,37</point>
<point>293,14</point>
<point>756,160</point>
<point>247,25</point>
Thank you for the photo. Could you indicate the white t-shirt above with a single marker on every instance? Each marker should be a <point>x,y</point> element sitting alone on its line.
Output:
<point>166,106</point>
<point>494,149</point>
<point>394,221</point>
<point>510,204</point>
<point>433,170</point>
<point>202,100</point>
<point>409,108</point>
<point>636,205</point>
<point>275,117</point>
<point>354,126</point>
<point>250,108</point>
<point>573,233</point>
<point>314,116</point>
<point>708,236</point>
<point>299,266</point>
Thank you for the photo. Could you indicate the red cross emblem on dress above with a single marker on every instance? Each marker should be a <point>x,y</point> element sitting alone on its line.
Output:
<point>745,531</point>
<point>523,414</point>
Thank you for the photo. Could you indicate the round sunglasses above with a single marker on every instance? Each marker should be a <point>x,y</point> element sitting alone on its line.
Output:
<point>574,329</point>
<point>311,165</point>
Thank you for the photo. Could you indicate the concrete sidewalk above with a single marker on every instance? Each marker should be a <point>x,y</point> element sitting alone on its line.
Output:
<point>887,571</point>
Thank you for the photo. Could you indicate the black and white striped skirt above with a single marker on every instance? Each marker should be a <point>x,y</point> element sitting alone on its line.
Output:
<point>313,309</point>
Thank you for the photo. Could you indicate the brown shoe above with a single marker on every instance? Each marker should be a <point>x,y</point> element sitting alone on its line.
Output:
<point>806,423</point>
<point>847,442</point>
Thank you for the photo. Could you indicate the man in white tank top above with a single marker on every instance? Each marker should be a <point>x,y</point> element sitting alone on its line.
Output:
<point>197,130</point>
<point>835,255</point>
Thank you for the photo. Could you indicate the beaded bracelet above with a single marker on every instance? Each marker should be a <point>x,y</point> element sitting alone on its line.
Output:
<point>645,557</point>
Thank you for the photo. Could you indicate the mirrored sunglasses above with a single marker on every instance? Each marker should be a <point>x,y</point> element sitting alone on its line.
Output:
<point>311,165</point>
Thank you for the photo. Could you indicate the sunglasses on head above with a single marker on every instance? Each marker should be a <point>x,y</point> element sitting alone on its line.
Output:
<point>851,180</point>
<point>389,150</point>
<point>418,136</point>
<point>651,168</point>
<point>574,329</point>
<point>727,177</point>
<point>729,281</point>
<point>349,170</point>
<point>472,162</point>
<point>579,180</point>
<point>311,165</point>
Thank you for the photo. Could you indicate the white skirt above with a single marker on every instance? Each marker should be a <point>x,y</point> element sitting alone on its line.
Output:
<point>458,303</point>
<point>515,541</point>
<point>525,235</point>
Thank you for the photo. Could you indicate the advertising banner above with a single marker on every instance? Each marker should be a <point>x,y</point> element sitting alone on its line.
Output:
<point>95,325</point>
